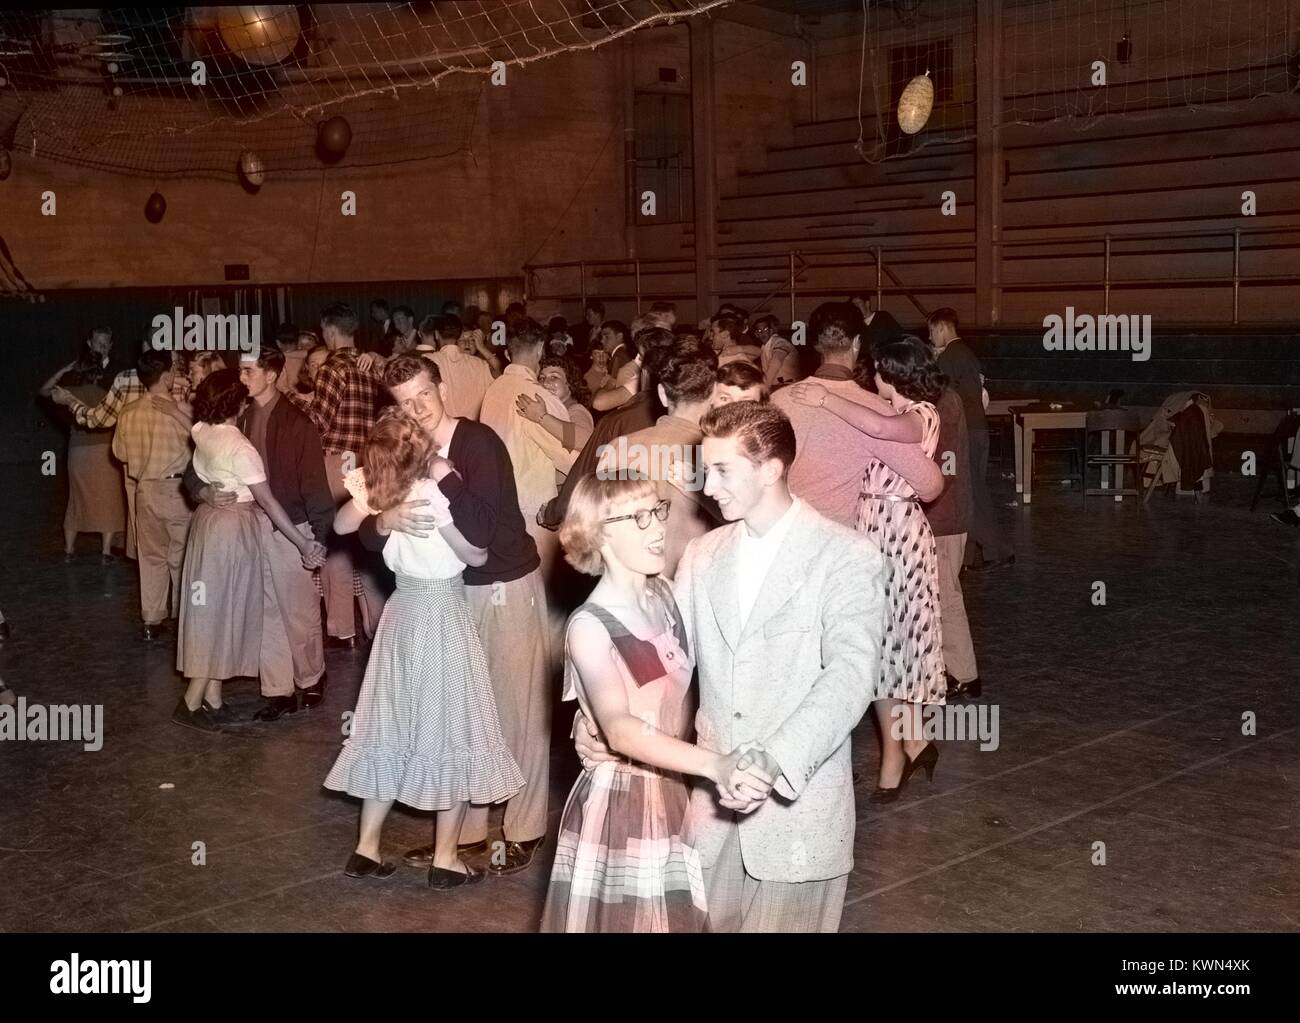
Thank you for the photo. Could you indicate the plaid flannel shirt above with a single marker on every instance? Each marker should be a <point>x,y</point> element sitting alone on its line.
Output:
<point>126,389</point>
<point>344,403</point>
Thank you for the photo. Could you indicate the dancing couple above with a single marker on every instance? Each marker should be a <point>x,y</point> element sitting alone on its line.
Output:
<point>783,613</point>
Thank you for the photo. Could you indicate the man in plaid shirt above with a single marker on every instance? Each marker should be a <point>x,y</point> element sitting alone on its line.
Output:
<point>152,440</point>
<point>344,405</point>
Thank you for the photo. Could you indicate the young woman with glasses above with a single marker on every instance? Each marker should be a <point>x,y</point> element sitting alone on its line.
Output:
<point>624,858</point>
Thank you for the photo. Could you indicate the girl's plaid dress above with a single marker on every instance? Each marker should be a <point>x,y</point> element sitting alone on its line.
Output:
<point>624,859</point>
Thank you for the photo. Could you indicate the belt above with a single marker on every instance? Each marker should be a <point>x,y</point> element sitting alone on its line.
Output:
<point>898,498</point>
<point>157,479</point>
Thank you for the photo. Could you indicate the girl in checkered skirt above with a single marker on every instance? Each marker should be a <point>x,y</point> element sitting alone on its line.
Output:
<point>624,858</point>
<point>426,731</point>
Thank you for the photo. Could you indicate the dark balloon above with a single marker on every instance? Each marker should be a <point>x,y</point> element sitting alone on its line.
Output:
<point>333,138</point>
<point>155,208</point>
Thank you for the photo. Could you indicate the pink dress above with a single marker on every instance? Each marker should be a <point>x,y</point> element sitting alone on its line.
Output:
<point>624,860</point>
<point>911,665</point>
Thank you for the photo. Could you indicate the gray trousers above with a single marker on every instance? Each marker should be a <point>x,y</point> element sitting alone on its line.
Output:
<point>958,647</point>
<point>741,903</point>
<point>512,623</point>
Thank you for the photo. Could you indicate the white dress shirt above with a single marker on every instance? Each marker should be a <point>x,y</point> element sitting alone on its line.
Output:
<point>756,555</point>
<point>535,453</point>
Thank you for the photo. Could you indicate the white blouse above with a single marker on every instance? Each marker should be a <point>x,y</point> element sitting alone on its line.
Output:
<point>423,557</point>
<point>224,456</point>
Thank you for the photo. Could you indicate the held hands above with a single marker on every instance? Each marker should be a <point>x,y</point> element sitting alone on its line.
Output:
<point>808,393</point>
<point>745,778</point>
<point>532,409</point>
<point>62,396</point>
<point>313,555</point>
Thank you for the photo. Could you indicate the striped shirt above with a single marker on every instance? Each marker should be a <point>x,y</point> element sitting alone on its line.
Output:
<point>344,403</point>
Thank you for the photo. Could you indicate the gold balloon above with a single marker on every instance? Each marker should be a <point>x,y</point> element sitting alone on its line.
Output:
<point>261,35</point>
<point>915,104</point>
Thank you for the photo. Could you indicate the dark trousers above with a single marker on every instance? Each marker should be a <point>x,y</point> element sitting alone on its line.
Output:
<point>984,536</point>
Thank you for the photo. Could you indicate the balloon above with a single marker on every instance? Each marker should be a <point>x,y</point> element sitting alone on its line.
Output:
<point>915,104</point>
<point>333,138</point>
<point>6,164</point>
<point>260,35</point>
<point>155,208</point>
<point>251,169</point>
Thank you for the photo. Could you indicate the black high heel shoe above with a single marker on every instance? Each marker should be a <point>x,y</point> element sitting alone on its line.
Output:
<point>926,761</point>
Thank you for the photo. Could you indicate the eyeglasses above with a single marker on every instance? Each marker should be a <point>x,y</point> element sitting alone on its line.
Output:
<point>659,511</point>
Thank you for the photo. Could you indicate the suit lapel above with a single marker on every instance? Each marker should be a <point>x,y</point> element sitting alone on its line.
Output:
<point>788,571</point>
<point>721,582</point>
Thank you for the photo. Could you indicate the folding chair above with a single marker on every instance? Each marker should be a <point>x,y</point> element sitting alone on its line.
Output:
<point>1106,425</point>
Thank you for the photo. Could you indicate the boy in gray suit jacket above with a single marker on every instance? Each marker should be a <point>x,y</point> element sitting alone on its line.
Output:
<point>785,610</point>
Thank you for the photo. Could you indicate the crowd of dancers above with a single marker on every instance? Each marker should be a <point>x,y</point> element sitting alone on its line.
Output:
<point>776,533</point>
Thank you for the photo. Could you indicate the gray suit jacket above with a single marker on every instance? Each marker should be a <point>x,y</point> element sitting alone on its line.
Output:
<point>797,679</point>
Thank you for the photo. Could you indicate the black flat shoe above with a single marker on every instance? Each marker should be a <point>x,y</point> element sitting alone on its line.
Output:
<point>341,643</point>
<point>442,880</point>
<point>276,707</point>
<point>150,632</point>
<point>518,856</point>
<point>423,856</point>
<point>199,719</point>
<point>313,696</point>
<point>364,866</point>
<point>1285,518</point>
<point>222,715</point>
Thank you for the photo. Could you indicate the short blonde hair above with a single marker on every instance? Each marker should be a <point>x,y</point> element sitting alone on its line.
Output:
<point>591,501</point>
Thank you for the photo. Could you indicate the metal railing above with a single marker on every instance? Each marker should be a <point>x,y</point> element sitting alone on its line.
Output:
<point>796,266</point>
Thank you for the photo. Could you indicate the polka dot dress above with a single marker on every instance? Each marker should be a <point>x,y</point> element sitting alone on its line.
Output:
<point>911,667</point>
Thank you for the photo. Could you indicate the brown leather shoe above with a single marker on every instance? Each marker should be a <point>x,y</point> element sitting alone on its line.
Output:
<point>518,856</point>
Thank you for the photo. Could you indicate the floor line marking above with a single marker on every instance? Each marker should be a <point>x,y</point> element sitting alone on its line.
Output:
<point>1051,824</point>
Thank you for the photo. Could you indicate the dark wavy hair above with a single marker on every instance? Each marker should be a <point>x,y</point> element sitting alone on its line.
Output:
<point>578,388</point>
<point>220,396</point>
<point>909,365</point>
<point>763,430</point>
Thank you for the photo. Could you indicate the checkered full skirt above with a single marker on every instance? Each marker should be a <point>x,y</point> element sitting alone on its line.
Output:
<point>426,731</point>
<point>624,861</point>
